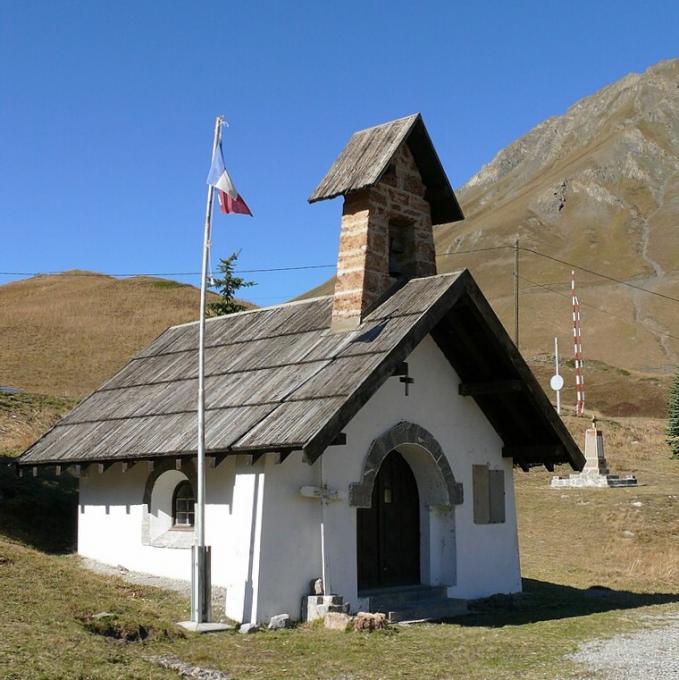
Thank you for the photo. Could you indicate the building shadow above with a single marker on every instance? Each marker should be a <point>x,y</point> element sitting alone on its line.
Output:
<point>544,601</point>
<point>42,511</point>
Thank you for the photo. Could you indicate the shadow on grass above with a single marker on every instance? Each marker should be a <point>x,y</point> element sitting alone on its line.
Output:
<point>41,512</point>
<point>543,601</point>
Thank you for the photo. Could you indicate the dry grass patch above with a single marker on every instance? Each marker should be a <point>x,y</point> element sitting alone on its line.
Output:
<point>25,417</point>
<point>627,537</point>
<point>66,334</point>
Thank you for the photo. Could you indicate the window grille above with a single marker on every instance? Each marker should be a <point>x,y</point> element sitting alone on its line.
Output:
<point>183,505</point>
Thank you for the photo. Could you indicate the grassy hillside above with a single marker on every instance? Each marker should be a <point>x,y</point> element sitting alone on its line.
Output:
<point>63,335</point>
<point>24,417</point>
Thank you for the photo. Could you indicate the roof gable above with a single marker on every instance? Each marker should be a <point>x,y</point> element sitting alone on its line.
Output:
<point>279,380</point>
<point>369,152</point>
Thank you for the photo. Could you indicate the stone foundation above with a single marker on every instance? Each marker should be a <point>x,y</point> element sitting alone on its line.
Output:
<point>596,472</point>
<point>586,479</point>
<point>317,606</point>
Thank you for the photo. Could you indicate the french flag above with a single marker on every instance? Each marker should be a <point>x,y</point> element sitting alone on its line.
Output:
<point>230,201</point>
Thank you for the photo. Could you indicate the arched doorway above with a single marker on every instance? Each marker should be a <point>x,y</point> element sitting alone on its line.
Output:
<point>389,530</point>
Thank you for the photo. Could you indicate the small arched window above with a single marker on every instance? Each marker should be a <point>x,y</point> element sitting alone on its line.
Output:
<point>183,503</point>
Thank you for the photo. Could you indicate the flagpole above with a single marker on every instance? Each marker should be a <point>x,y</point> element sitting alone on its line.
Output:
<point>200,553</point>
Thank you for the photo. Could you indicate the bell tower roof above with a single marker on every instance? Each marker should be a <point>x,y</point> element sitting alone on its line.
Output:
<point>370,152</point>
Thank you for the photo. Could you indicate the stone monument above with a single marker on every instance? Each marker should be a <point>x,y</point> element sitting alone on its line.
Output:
<point>596,472</point>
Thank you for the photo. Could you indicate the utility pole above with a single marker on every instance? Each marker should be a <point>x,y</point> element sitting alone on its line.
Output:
<point>516,293</point>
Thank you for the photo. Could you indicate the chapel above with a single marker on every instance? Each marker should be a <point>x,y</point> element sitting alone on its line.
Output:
<point>367,438</point>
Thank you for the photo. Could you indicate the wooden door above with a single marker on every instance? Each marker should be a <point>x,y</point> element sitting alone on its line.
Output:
<point>389,531</point>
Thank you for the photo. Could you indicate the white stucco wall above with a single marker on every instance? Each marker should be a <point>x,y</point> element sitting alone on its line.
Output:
<point>487,555</point>
<point>111,520</point>
<point>253,506</point>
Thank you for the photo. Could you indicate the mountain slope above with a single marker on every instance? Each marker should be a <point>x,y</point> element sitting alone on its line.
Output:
<point>598,187</point>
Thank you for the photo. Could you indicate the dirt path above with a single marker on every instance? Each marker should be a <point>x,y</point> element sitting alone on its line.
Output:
<point>649,654</point>
<point>141,578</point>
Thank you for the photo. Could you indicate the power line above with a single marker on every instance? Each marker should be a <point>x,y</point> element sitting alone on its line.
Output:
<point>598,309</point>
<point>238,271</point>
<point>131,274</point>
<point>308,267</point>
<point>473,250</point>
<point>603,276</point>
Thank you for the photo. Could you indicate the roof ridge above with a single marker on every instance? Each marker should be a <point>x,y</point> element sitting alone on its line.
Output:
<point>389,122</point>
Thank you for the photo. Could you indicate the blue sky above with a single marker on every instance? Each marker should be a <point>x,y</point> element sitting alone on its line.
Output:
<point>107,109</point>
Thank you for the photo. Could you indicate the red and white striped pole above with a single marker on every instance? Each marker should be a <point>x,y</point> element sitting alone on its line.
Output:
<point>577,350</point>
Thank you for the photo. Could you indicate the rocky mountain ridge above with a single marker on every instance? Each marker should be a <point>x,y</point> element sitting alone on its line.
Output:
<point>598,187</point>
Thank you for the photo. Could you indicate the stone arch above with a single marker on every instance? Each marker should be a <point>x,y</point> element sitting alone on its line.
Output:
<point>405,435</point>
<point>159,468</point>
<point>168,539</point>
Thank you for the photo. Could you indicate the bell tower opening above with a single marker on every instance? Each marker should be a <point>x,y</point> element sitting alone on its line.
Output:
<point>401,249</point>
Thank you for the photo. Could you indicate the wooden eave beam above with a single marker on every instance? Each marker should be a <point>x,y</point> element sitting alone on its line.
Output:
<point>489,387</point>
<point>79,469</point>
<point>252,458</point>
<point>215,459</point>
<point>536,453</point>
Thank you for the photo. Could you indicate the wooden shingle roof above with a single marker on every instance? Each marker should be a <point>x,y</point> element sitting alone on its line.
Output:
<point>279,380</point>
<point>368,153</point>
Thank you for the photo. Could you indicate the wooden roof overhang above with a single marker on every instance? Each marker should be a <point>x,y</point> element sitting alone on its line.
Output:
<point>368,153</point>
<point>279,381</point>
<point>492,372</point>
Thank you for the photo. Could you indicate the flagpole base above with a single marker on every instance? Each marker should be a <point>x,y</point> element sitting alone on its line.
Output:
<point>204,627</point>
<point>201,586</point>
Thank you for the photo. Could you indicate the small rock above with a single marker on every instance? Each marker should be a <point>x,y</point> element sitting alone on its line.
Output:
<point>337,621</point>
<point>248,628</point>
<point>628,534</point>
<point>637,504</point>
<point>103,615</point>
<point>317,586</point>
<point>279,621</point>
<point>367,621</point>
<point>122,570</point>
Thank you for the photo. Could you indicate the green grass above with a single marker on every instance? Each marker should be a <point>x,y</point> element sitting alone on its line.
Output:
<point>46,632</point>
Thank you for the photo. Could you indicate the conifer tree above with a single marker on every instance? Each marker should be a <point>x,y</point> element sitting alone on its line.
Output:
<point>227,286</point>
<point>672,430</point>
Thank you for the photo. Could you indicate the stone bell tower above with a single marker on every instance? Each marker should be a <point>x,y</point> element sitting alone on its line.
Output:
<point>394,190</point>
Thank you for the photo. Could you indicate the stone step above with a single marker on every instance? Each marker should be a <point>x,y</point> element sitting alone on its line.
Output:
<point>400,598</point>
<point>415,603</point>
<point>432,610</point>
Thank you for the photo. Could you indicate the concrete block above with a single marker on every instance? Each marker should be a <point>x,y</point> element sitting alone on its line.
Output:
<point>247,628</point>
<point>317,606</point>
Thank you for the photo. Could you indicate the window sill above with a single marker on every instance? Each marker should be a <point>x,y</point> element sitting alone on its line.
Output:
<point>174,538</point>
